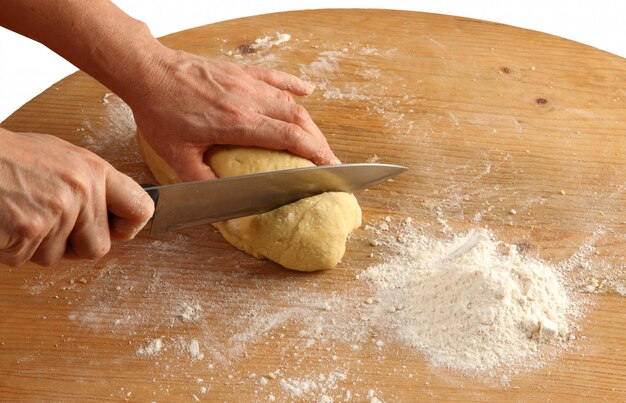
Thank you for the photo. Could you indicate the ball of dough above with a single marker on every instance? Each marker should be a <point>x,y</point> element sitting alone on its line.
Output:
<point>306,235</point>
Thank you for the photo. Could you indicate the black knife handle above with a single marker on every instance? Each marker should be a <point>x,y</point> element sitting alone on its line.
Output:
<point>152,191</point>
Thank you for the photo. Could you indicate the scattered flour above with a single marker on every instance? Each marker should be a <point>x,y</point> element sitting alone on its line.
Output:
<point>193,348</point>
<point>371,396</point>
<point>368,51</point>
<point>466,305</point>
<point>257,49</point>
<point>466,302</point>
<point>188,312</point>
<point>154,347</point>
<point>318,385</point>
<point>116,131</point>
<point>268,41</point>
<point>472,307</point>
<point>621,289</point>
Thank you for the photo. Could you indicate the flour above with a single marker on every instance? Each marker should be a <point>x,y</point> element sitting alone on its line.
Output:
<point>471,308</point>
<point>194,350</point>
<point>325,69</point>
<point>371,395</point>
<point>313,385</point>
<point>188,312</point>
<point>368,51</point>
<point>115,132</point>
<point>309,319</point>
<point>259,48</point>
<point>154,347</point>
<point>432,294</point>
<point>268,41</point>
<point>112,136</point>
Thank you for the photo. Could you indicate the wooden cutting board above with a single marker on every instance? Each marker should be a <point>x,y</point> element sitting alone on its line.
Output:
<point>489,119</point>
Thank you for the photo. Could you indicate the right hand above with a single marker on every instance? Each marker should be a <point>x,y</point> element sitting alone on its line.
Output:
<point>55,198</point>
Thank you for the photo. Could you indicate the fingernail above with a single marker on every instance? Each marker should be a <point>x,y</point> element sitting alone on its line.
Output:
<point>309,86</point>
<point>335,161</point>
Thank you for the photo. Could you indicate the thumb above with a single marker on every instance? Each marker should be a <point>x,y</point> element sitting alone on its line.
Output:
<point>129,204</point>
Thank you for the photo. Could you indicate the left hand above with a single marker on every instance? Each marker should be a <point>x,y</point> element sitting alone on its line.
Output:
<point>191,103</point>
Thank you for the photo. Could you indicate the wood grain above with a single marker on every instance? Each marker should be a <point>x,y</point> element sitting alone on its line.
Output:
<point>487,117</point>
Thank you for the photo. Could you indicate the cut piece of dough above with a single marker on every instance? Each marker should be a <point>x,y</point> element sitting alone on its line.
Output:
<point>307,235</point>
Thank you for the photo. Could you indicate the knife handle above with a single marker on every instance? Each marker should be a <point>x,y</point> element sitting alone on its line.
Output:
<point>152,191</point>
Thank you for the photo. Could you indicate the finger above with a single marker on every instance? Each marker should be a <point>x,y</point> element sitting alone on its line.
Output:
<point>90,238</point>
<point>189,165</point>
<point>291,137</point>
<point>280,79</point>
<point>130,205</point>
<point>291,113</point>
<point>21,252</point>
<point>54,245</point>
<point>25,240</point>
<point>298,115</point>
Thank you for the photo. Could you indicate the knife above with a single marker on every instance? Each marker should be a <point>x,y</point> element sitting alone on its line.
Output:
<point>194,203</point>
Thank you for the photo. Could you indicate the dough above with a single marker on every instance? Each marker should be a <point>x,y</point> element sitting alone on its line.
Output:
<point>307,235</point>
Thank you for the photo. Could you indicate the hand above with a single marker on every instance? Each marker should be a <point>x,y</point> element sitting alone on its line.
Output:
<point>193,103</point>
<point>183,104</point>
<point>55,198</point>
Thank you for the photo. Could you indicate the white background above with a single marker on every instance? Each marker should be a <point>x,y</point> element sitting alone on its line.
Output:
<point>27,68</point>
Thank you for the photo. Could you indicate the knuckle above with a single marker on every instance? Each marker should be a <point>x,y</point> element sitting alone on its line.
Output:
<point>293,134</point>
<point>99,249</point>
<point>258,72</point>
<point>18,261</point>
<point>231,111</point>
<point>30,228</point>
<point>90,240</point>
<point>300,113</point>
<point>240,119</point>
<point>78,185</point>
<point>271,75</point>
<point>321,153</point>
<point>46,260</point>
<point>12,259</point>
<point>59,203</point>
<point>96,164</point>
<point>94,250</point>
<point>282,96</point>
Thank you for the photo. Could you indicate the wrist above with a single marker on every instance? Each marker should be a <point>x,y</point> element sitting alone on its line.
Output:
<point>145,78</point>
<point>131,65</point>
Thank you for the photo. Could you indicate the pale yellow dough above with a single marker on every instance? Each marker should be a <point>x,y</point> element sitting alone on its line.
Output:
<point>307,235</point>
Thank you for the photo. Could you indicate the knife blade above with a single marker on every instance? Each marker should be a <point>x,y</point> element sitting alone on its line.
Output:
<point>194,203</point>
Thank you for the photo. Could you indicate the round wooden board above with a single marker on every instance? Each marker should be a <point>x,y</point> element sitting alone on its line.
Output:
<point>489,119</point>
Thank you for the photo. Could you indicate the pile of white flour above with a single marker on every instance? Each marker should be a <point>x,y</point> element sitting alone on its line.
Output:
<point>470,303</point>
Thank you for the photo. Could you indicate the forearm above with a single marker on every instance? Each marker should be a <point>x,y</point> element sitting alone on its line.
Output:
<point>183,103</point>
<point>94,35</point>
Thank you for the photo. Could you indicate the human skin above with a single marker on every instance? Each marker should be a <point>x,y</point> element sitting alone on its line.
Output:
<point>55,199</point>
<point>182,103</point>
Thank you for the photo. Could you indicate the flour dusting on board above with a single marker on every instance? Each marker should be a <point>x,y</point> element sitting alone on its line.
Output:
<point>258,51</point>
<point>462,300</point>
<point>114,131</point>
<point>152,348</point>
<point>270,40</point>
<point>347,74</point>
<point>471,302</point>
<point>112,137</point>
<point>482,308</point>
